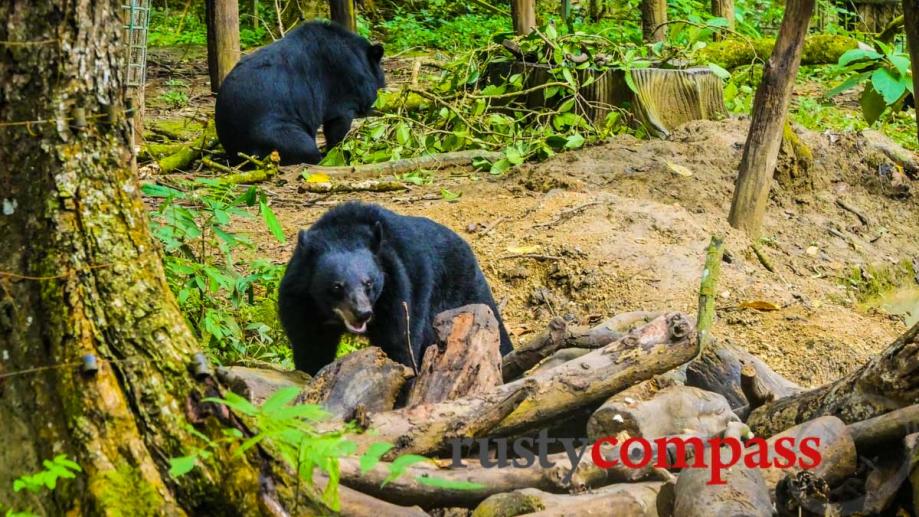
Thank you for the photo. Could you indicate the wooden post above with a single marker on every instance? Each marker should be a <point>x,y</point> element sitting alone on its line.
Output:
<point>523,12</point>
<point>770,107</point>
<point>911,28</point>
<point>723,9</point>
<point>342,13</point>
<point>653,20</point>
<point>222,18</point>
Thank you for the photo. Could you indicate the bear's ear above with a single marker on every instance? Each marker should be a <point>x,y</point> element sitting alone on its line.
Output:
<point>376,239</point>
<point>375,53</point>
<point>303,239</point>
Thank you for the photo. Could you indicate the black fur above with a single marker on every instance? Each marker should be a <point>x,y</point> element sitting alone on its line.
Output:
<point>276,98</point>
<point>360,257</point>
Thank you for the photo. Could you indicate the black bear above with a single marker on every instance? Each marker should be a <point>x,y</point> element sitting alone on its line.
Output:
<point>276,98</point>
<point>356,266</point>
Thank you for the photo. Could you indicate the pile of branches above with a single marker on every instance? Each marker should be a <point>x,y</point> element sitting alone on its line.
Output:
<point>637,375</point>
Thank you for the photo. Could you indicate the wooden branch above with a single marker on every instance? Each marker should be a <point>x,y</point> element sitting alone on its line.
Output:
<point>888,381</point>
<point>380,380</point>
<point>646,499</point>
<point>705,318</point>
<point>353,186</point>
<point>466,359</point>
<point>189,153</point>
<point>886,428</point>
<point>431,161</point>
<point>657,347</point>
<point>559,335</point>
<point>668,412</point>
<point>743,493</point>
<point>355,503</point>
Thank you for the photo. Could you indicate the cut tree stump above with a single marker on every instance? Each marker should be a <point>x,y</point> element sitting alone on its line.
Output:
<point>667,99</point>
<point>743,493</point>
<point>887,382</point>
<point>670,411</point>
<point>536,401</point>
<point>362,381</point>
<point>466,360</point>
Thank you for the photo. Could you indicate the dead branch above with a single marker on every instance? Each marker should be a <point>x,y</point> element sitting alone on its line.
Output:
<point>886,428</point>
<point>431,161</point>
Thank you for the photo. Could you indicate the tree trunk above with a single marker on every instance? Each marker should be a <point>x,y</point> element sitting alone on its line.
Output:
<point>222,38</point>
<point>342,13</point>
<point>723,9</point>
<point>770,108</point>
<point>523,13</point>
<point>653,20</point>
<point>79,275</point>
<point>911,28</point>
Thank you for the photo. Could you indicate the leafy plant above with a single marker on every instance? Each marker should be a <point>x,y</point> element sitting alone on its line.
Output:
<point>59,467</point>
<point>886,74</point>
<point>289,430</point>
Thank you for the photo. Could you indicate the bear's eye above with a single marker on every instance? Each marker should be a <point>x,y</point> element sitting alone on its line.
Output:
<point>337,287</point>
<point>368,283</point>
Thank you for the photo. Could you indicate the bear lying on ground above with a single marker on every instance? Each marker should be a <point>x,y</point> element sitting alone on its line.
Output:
<point>352,271</point>
<point>276,98</point>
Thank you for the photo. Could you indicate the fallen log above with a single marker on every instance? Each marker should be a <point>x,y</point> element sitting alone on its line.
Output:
<point>648,499</point>
<point>888,381</point>
<point>835,446</point>
<point>734,52</point>
<point>365,380</point>
<point>670,411</point>
<point>430,161</point>
<point>190,152</point>
<point>559,358</point>
<point>529,403</point>
<point>718,369</point>
<point>556,476</point>
<point>743,492</point>
<point>886,428</point>
<point>338,187</point>
<point>358,504</point>
<point>466,359</point>
<point>257,384</point>
<point>560,335</point>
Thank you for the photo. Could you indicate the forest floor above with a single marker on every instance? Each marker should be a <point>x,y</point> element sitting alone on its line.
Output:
<point>614,228</point>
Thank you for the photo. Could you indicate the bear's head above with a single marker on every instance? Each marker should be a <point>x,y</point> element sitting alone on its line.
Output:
<point>346,282</point>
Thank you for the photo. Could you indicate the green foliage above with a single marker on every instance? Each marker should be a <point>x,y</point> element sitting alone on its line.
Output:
<point>410,29</point>
<point>59,467</point>
<point>289,431</point>
<point>170,27</point>
<point>885,73</point>
<point>228,303</point>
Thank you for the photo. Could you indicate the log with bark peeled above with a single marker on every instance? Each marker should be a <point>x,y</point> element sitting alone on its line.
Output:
<point>466,359</point>
<point>257,384</point>
<point>743,492</point>
<point>560,335</point>
<point>365,380</point>
<point>530,403</point>
<point>647,499</point>
<point>888,381</point>
<point>886,428</point>
<point>671,411</point>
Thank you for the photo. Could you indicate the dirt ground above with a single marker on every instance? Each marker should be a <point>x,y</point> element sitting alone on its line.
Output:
<point>613,228</point>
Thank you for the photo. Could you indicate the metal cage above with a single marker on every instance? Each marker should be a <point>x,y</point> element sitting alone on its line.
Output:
<point>137,20</point>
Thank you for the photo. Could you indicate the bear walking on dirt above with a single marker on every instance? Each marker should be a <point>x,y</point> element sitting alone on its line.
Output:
<point>276,98</point>
<point>352,271</point>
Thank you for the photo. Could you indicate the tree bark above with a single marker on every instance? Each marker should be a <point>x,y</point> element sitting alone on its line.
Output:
<point>523,13</point>
<point>653,20</point>
<point>887,382</point>
<point>770,107</point>
<point>723,9</point>
<point>911,28</point>
<point>79,275</point>
<point>222,18</point>
<point>342,13</point>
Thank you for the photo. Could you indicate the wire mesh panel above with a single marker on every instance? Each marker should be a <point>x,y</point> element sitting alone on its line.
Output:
<point>137,19</point>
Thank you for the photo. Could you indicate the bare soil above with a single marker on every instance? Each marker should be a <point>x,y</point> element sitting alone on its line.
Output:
<point>613,228</point>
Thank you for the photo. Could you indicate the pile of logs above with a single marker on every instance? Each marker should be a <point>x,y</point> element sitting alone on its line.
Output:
<point>635,375</point>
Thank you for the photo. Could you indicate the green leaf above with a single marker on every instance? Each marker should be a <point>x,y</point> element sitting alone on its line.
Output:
<point>401,464</point>
<point>271,221</point>
<point>856,54</point>
<point>900,62</point>
<point>279,399</point>
<point>403,134</point>
<point>720,72</point>
<point>370,458</point>
<point>574,141</point>
<point>182,465</point>
<point>500,167</point>
<point>847,84</point>
<point>551,33</point>
<point>630,82</point>
<point>890,87</point>
<point>569,78</point>
<point>234,402</point>
<point>154,190</point>
<point>513,156</point>
<point>873,105</point>
<point>449,196</point>
<point>566,106</point>
<point>448,484</point>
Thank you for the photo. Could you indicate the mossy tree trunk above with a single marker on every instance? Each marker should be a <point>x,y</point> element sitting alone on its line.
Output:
<point>770,107</point>
<point>80,275</point>
<point>653,20</point>
<point>223,51</point>
<point>911,27</point>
